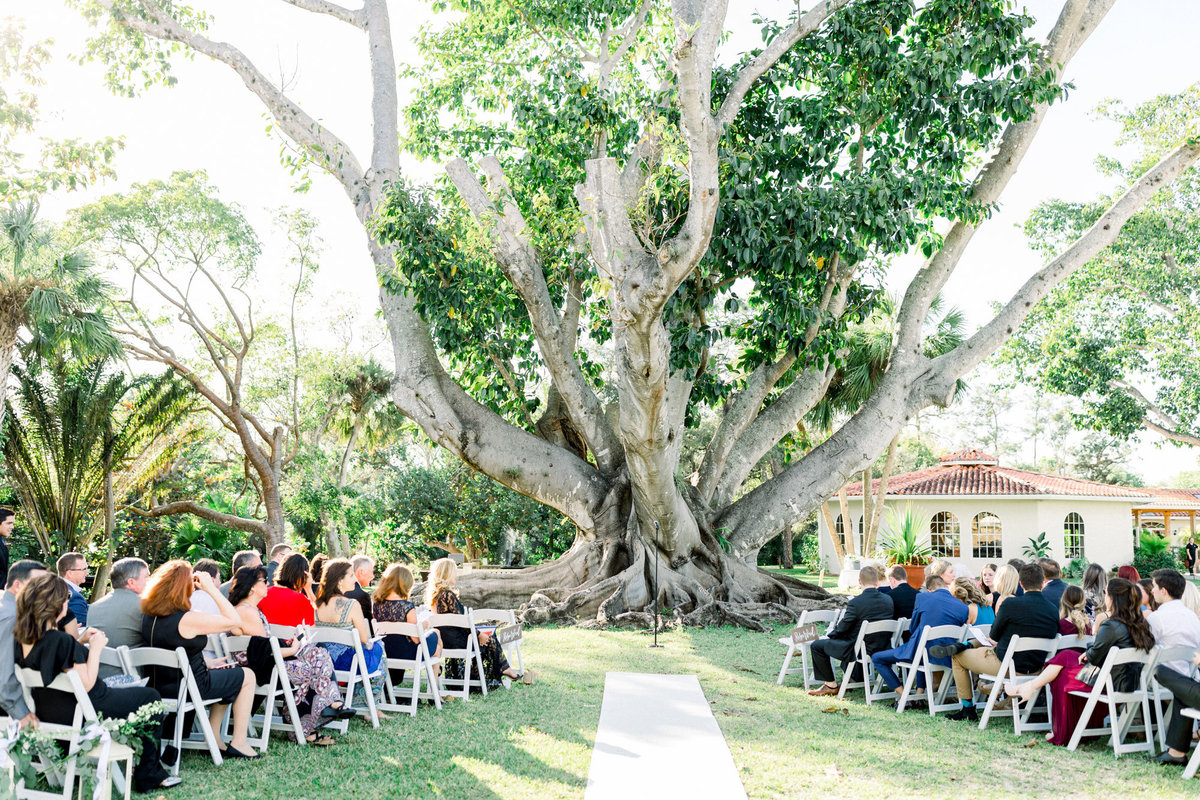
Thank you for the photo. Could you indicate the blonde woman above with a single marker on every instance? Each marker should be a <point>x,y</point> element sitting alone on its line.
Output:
<point>442,598</point>
<point>1191,598</point>
<point>1007,581</point>
<point>979,611</point>
<point>392,604</point>
<point>943,569</point>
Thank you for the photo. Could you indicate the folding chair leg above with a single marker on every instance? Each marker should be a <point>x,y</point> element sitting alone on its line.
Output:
<point>1193,764</point>
<point>1081,726</point>
<point>909,680</point>
<point>783,671</point>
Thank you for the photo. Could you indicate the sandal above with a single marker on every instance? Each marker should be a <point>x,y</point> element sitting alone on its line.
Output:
<point>528,677</point>
<point>321,741</point>
<point>230,752</point>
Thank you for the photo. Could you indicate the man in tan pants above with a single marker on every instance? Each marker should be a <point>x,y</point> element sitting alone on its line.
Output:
<point>1028,616</point>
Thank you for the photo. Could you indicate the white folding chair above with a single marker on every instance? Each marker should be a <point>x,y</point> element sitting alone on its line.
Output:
<point>277,690</point>
<point>413,669</point>
<point>281,634</point>
<point>1116,726</point>
<point>935,695</point>
<point>470,655</point>
<point>1161,699</point>
<point>358,672</point>
<point>1008,674</point>
<point>901,629</point>
<point>1189,771</point>
<point>502,616</point>
<point>863,659</point>
<point>829,617</point>
<point>138,660</point>
<point>72,734</point>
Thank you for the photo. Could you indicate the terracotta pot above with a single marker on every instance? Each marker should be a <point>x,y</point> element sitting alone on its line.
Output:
<point>915,574</point>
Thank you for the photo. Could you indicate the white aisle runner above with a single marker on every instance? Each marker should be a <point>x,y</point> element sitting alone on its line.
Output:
<point>658,738</point>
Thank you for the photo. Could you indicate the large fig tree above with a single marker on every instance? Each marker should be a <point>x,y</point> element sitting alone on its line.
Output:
<point>714,223</point>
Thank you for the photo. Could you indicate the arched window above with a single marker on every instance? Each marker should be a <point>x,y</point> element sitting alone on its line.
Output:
<point>840,529</point>
<point>986,536</point>
<point>860,541</point>
<point>943,535</point>
<point>1073,536</point>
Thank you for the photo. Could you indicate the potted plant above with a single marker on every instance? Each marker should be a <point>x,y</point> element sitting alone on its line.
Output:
<point>905,541</point>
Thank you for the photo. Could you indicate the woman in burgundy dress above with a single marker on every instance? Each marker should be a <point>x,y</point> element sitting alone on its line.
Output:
<point>1125,627</point>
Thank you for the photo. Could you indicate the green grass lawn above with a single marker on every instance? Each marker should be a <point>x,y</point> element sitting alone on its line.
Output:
<point>828,582</point>
<point>535,742</point>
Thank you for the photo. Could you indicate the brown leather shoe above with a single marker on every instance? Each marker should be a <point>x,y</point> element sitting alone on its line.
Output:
<point>824,691</point>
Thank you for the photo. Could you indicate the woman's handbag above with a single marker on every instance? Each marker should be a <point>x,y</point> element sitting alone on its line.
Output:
<point>1088,674</point>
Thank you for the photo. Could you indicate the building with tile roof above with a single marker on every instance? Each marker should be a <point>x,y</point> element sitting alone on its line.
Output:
<point>981,512</point>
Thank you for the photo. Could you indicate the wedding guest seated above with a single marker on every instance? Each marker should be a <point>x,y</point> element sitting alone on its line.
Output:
<point>392,604</point>
<point>1072,613</point>
<point>1055,585</point>
<point>943,569</point>
<point>987,580</point>
<point>289,601</point>
<point>51,652</point>
<point>1172,624</point>
<point>979,609</point>
<point>200,600</point>
<point>279,554</point>
<point>119,613</point>
<point>1179,728</point>
<point>364,576</point>
<point>73,569</point>
<point>1095,585</point>
<point>309,668</point>
<point>242,558</point>
<point>335,610</point>
<point>1027,616</point>
<point>1129,573</point>
<point>442,598</point>
<point>1149,606</point>
<point>900,593</point>
<point>935,606</point>
<point>12,699</point>
<point>1124,627</point>
<point>315,570</point>
<point>869,606</point>
<point>1191,598</point>
<point>170,623</point>
<point>1007,584</point>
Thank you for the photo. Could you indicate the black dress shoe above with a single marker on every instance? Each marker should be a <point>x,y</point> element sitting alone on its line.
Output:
<point>947,650</point>
<point>1167,758</point>
<point>967,713</point>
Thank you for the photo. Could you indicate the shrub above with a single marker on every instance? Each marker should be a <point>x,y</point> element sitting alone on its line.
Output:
<point>1146,561</point>
<point>1076,568</point>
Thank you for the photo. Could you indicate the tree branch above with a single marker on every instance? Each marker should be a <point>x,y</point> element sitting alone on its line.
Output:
<point>319,142</point>
<point>805,24</point>
<point>204,512</point>
<point>502,220</point>
<point>350,16</point>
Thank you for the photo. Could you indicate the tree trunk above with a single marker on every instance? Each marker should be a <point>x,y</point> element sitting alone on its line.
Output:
<point>100,585</point>
<point>872,520</point>
<point>608,577</point>
<point>8,346</point>
<point>340,534</point>
<point>785,541</point>
<point>838,552</point>
<point>847,525</point>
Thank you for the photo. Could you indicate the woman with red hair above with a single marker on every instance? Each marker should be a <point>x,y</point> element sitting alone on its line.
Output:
<point>169,622</point>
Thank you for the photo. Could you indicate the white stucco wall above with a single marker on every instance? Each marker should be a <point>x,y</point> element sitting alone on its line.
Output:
<point>1108,526</point>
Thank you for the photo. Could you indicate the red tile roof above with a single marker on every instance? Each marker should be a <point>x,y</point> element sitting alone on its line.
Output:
<point>1174,498</point>
<point>951,478</point>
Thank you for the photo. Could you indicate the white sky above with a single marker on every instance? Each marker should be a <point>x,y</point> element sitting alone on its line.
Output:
<point>209,121</point>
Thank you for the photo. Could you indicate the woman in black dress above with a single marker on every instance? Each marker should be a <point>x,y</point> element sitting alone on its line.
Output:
<point>169,622</point>
<point>441,596</point>
<point>41,604</point>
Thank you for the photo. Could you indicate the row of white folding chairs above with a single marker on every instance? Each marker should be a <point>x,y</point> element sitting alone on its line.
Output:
<point>62,777</point>
<point>827,617</point>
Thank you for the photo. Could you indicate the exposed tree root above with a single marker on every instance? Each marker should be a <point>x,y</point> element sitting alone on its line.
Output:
<point>611,582</point>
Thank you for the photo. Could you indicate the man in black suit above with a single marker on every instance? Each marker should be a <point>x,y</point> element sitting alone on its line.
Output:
<point>1029,615</point>
<point>870,606</point>
<point>364,575</point>
<point>901,594</point>
<point>1055,585</point>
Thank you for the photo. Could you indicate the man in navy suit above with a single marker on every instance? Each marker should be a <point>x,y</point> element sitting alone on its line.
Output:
<point>839,643</point>
<point>1055,585</point>
<point>936,606</point>
<point>73,568</point>
<point>902,595</point>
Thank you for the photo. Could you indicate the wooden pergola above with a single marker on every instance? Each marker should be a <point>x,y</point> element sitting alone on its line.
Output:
<point>1166,514</point>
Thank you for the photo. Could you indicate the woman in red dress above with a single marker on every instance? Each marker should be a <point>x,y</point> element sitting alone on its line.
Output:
<point>1125,627</point>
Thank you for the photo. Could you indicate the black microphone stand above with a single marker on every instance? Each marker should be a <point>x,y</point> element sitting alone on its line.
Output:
<point>656,557</point>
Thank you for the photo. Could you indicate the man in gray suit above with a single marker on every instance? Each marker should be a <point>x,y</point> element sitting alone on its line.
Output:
<point>11,698</point>
<point>242,558</point>
<point>119,614</point>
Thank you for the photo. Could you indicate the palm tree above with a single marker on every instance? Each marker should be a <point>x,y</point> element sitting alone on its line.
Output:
<point>867,356</point>
<point>363,413</point>
<point>83,437</point>
<point>53,296</point>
